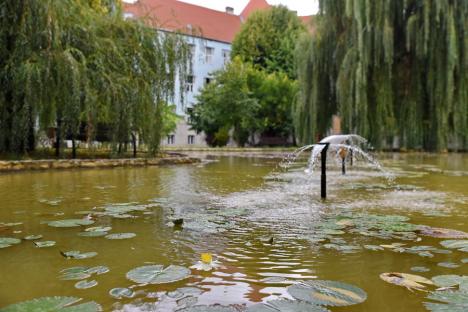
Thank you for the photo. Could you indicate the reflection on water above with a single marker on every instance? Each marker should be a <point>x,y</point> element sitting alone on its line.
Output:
<point>265,225</point>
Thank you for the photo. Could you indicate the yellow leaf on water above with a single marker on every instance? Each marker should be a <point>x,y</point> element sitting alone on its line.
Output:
<point>206,258</point>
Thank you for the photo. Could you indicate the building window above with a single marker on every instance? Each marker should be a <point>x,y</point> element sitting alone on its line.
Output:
<point>191,57</point>
<point>209,55</point>
<point>226,56</point>
<point>189,111</point>
<point>189,83</point>
<point>170,139</point>
<point>207,80</point>
<point>191,139</point>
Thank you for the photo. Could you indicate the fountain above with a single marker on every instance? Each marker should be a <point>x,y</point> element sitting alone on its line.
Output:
<point>343,146</point>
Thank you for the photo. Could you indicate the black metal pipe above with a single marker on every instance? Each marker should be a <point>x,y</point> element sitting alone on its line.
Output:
<point>343,165</point>
<point>323,178</point>
<point>351,157</point>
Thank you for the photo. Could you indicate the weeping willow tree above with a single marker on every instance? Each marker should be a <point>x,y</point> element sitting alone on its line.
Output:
<point>67,62</point>
<point>390,69</point>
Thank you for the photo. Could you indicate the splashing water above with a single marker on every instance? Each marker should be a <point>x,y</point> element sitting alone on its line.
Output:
<point>345,142</point>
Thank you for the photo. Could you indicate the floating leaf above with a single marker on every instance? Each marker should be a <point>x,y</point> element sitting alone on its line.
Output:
<point>283,305</point>
<point>409,281</point>
<point>43,244</point>
<point>419,269</point>
<point>74,276</point>
<point>441,232</point>
<point>449,265</point>
<point>77,269</point>
<point>373,247</point>
<point>8,241</point>
<point>100,269</point>
<point>120,235</point>
<point>52,304</point>
<point>92,234</point>
<point>455,301</point>
<point>70,222</point>
<point>74,273</point>
<point>212,308</point>
<point>157,274</point>
<point>120,293</point>
<point>455,244</point>
<point>85,284</point>
<point>464,260</point>
<point>323,292</point>
<point>75,254</point>
<point>446,280</point>
<point>32,237</point>
<point>98,229</point>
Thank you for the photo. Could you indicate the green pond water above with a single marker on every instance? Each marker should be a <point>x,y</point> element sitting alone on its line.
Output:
<point>265,226</point>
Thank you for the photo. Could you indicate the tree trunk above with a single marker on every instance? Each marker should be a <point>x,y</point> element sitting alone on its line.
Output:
<point>58,135</point>
<point>134,145</point>
<point>73,147</point>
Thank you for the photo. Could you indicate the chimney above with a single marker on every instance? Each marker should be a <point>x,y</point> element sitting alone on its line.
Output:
<point>230,10</point>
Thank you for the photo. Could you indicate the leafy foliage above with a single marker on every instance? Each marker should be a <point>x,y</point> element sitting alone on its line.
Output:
<point>267,40</point>
<point>389,69</point>
<point>247,100</point>
<point>67,62</point>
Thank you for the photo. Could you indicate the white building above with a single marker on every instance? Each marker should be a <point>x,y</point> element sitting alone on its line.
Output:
<point>211,48</point>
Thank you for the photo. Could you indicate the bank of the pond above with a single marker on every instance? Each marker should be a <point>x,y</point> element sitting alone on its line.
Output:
<point>50,164</point>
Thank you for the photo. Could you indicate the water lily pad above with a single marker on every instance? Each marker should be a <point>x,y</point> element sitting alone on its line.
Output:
<point>373,247</point>
<point>454,301</point>
<point>52,304</point>
<point>8,241</point>
<point>75,254</point>
<point>409,281</point>
<point>120,293</point>
<point>74,273</point>
<point>420,269</point>
<point>212,308</point>
<point>92,234</point>
<point>323,292</point>
<point>446,280</point>
<point>157,274</point>
<point>441,232</point>
<point>120,235</point>
<point>100,269</point>
<point>98,229</point>
<point>77,269</point>
<point>283,305</point>
<point>455,244</point>
<point>70,222</point>
<point>44,244</point>
<point>464,260</point>
<point>449,265</point>
<point>85,284</point>
<point>32,237</point>
<point>74,276</point>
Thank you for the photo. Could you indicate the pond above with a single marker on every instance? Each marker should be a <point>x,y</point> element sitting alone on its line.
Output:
<point>265,227</point>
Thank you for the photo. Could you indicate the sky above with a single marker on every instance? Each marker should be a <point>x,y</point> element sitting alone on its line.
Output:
<point>303,7</point>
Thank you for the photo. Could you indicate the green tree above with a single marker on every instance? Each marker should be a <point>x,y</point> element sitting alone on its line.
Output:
<point>63,62</point>
<point>247,100</point>
<point>388,68</point>
<point>226,103</point>
<point>268,38</point>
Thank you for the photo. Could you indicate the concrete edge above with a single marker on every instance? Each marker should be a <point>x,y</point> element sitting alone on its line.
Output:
<point>52,164</point>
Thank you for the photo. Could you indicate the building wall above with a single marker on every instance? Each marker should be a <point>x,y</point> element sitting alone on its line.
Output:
<point>208,56</point>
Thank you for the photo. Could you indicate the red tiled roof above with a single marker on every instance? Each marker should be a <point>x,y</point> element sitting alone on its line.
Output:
<point>252,6</point>
<point>176,15</point>
<point>173,15</point>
